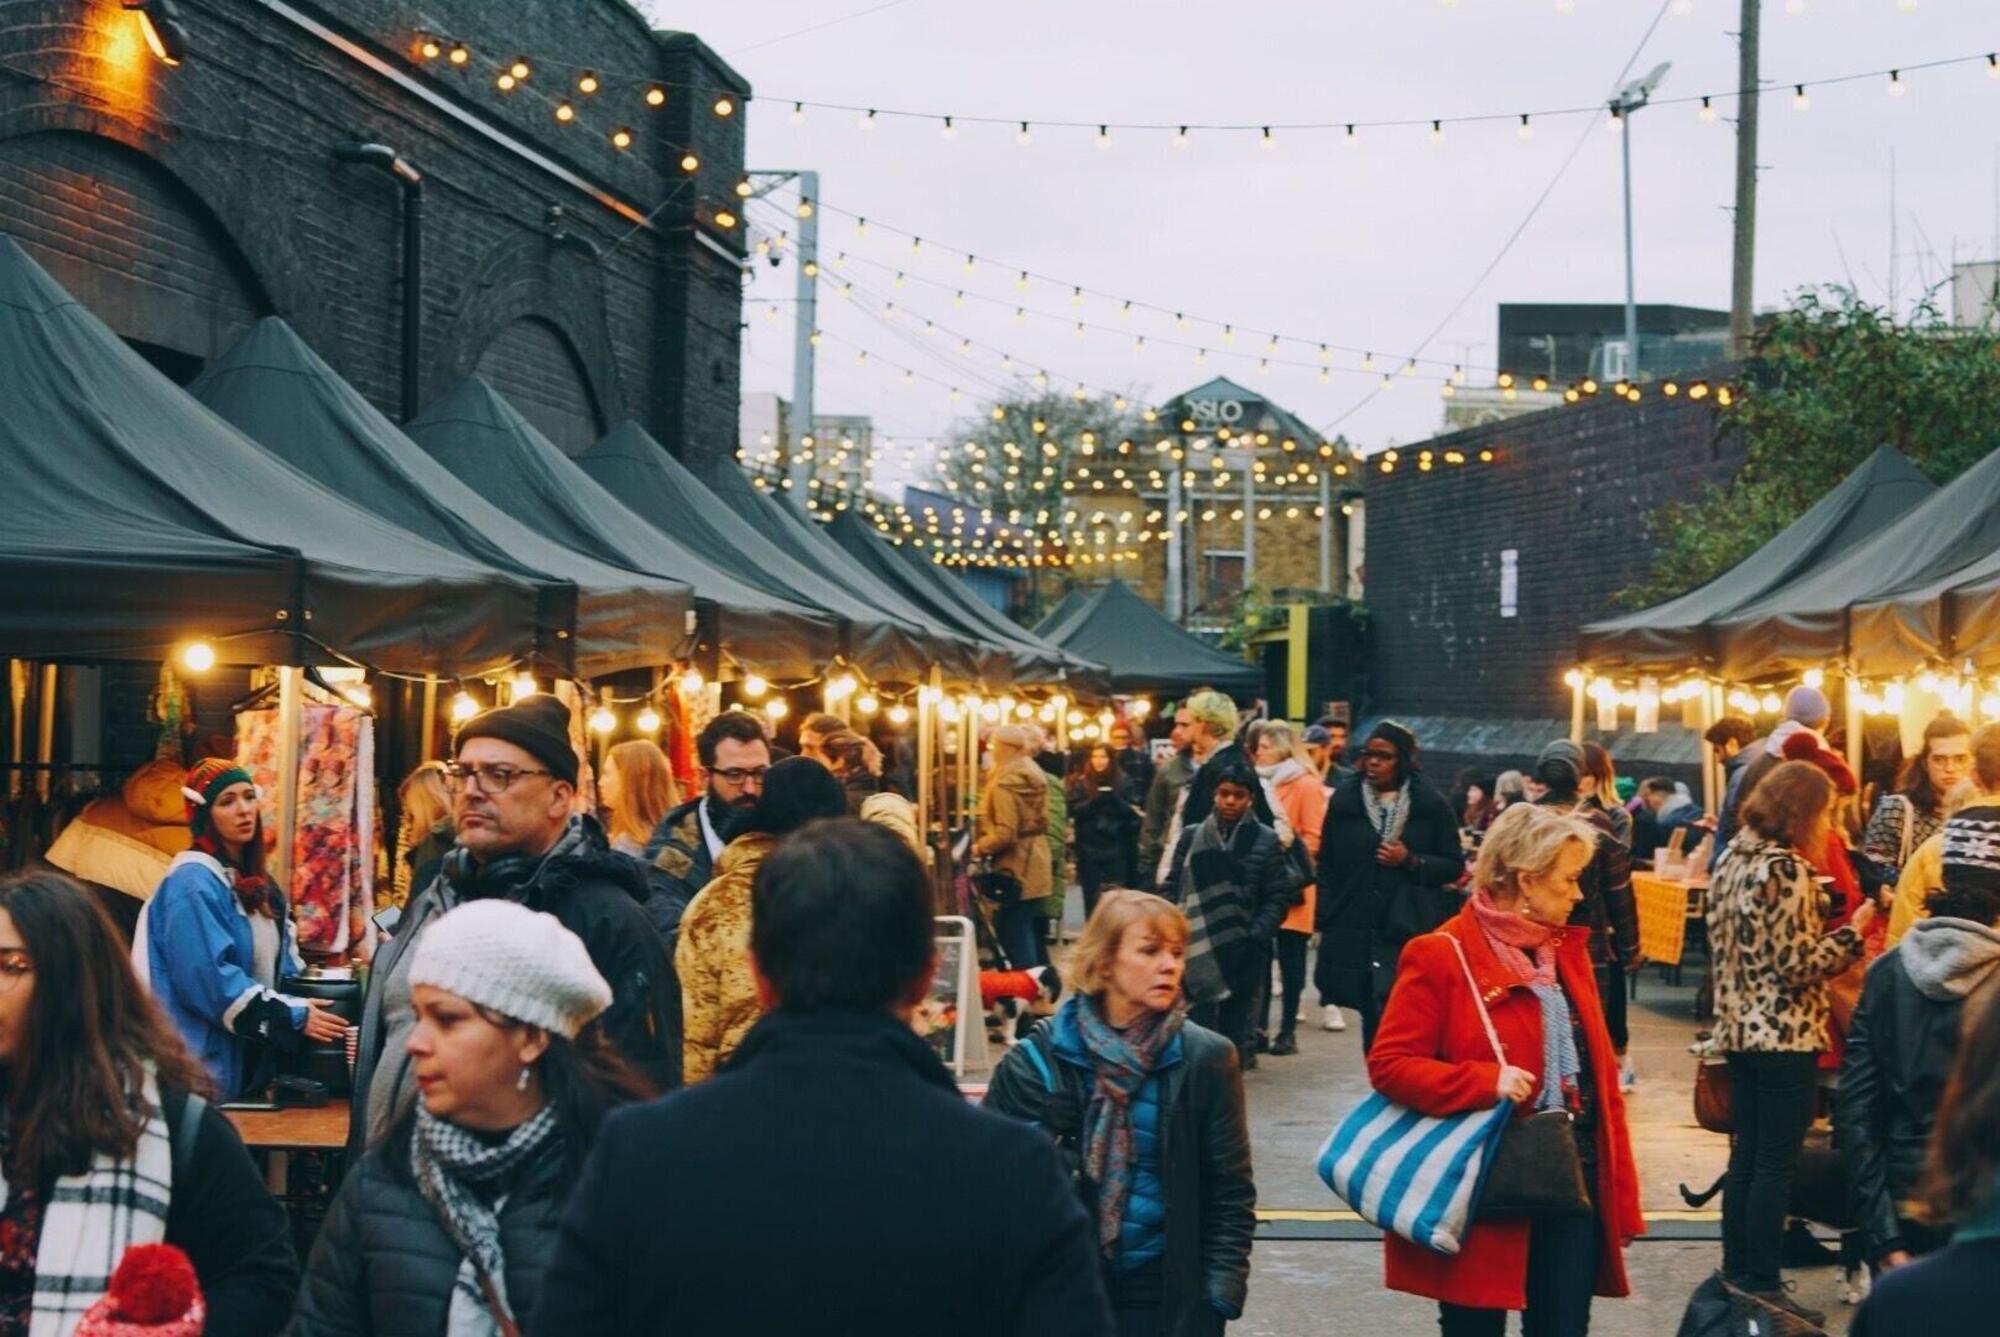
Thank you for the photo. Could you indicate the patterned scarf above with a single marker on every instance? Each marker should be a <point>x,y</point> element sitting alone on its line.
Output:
<point>1123,1061</point>
<point>256,891</point>
<point>1387,817</point>
<point>1513,937</point>
<point>447,1161</point>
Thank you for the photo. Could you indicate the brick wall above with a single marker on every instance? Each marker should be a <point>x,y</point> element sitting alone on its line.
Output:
<point>1569,491</point>
<point>179,203</point>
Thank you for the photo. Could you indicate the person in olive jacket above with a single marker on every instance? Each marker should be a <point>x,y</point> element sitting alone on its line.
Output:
<point>1147,1108</point>
<point>1389,862</point>
<point>1904,1036</point>
<point>447,1227</point>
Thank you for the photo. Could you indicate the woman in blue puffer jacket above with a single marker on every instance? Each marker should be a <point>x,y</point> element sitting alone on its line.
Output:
<point>1149,1108</point>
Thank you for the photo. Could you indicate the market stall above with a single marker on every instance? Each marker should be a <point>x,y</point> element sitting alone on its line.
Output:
<point>1145,652</point>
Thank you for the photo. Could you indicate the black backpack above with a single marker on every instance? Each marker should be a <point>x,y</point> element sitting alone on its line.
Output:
<point>1718,1309</point>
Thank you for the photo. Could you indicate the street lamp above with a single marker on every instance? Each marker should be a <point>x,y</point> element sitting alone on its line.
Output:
<point>1626,101</point>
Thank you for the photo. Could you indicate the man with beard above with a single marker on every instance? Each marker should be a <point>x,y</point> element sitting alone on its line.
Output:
<point>513,784</point>
<point>735,755</point>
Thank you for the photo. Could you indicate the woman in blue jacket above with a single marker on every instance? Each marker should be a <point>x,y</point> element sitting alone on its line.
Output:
<point>1149,1108</point>
<point>216,938</point>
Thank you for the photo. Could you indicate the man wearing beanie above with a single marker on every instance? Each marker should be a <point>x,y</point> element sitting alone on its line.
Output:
<point>718,996</point>
<point>513,786</point>
<point>1389,860</point>
<point>1806,710</point>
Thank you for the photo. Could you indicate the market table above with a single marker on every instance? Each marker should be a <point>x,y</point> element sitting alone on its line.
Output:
<point>278,1133</point>
<point>1665,907</point>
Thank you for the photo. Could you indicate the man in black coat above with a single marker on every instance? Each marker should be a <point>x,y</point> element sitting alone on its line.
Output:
<point>1389,862</point>
<point>830,1178</point>
<point>513,784</point>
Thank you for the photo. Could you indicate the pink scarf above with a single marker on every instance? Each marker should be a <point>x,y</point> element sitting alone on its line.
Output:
<point>1513,936</point>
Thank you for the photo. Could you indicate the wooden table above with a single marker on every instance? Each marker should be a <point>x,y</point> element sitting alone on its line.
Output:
<point>277,1133</point>
<point>1665,906</point>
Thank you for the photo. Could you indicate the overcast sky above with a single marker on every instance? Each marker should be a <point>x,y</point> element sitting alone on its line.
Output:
<point>1369,247</point>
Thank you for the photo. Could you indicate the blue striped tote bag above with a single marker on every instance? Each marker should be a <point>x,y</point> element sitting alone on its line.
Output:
<point>1414,1174</point>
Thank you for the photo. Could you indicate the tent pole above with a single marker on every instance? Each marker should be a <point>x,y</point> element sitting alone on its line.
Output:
<point>291,719</point>
<point>45,732</point>
<point>926,764</point>
<point>17,696</point>
<point>429,748</point>
<point>1854,723</point>
<point>1576,709</point>
<point>1711,707</point>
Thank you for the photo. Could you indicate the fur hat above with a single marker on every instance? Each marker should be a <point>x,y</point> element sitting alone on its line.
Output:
<point>521,963</point>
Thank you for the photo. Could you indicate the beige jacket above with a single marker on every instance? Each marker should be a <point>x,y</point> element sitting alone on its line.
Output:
<point>718,993</point>
<point>1013,818</point>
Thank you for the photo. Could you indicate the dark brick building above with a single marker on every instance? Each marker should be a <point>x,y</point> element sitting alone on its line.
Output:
<point>1475,656</point>
<point>589,283</point>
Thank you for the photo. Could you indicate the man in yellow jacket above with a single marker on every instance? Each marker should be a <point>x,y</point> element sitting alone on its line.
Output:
<point>718,993</point>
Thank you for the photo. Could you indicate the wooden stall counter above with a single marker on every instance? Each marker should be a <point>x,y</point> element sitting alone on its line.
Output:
<point>273,1135</point>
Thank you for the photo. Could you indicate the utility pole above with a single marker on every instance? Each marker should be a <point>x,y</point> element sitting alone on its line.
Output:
<point>1173,598</point>
<point>805,323</point>
<point>1627,101</point>
<point>1745,256</point>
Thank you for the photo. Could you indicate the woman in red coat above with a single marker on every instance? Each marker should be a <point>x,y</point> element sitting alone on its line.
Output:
<point>1432,1055</point>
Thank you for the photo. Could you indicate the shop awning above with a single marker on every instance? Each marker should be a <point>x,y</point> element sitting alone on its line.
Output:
<point>1035,660</point>
<point>133,515</point>
<point>960,657</point>
<point>592,618</point>
<point>482,439</point>
<point>1674,636</point>
<point>1145,652</point>
<point>638,470</point>
<point>1854,606</point>
<point>1053,621</point>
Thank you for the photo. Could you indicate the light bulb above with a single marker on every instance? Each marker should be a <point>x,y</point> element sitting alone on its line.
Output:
<point>1437,132</point>
<point>1024,136</point>
<point>198,657</point>
<point>602,721</point>
<point>524,685</point>
<point>621,138</point>
<point>459,54</point>
<point>898,714</point>
<point>1350,139</point>
<point>1180,139</point>
<point>1104,136</point>
<point>565,113</point>
<point>505,83</point>
<point>463,708</point>
<point>647,720</point>
<point>1896,86</point>
<point>1141,708</point>
<point>1707,112</point>
<point>776,708</point>
<point>1525,130</point>
<point>867,122</point>
<point>867,703</point>
<point>587,84</point>
<point>1800,100</point>
<point>691,682</point>
<point>1812,677</point>
<point>755,686</point>
<point>725,106</point>
<point>656,96</point>
<point>1267,141</point>
<point>950,131</point>
<point>798,113</point>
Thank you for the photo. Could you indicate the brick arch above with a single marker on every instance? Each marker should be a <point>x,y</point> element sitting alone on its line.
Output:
<point>533,364</point>
<point>158,262</point>
<point>559,294</point>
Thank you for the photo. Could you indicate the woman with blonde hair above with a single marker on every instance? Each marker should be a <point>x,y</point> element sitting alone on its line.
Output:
<point>1434,1054</point>
<point>637,790</point>
<point>425,834</point>
<point>1297,793</point>
<point>1148,1107</point>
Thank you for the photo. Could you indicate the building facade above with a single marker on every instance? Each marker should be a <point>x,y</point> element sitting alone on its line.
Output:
<point>299,157</point>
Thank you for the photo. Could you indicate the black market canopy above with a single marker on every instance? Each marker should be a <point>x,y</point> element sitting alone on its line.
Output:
<point>1889,604</point>
<point>638,470</point>
<point>486,442</point>
<point>1678,635</point>
<point>960,657</point>
<point>135,518</point>
<point>951,604</point>
<point>1146,652</point>
<point>592,618</point>
<point>1053,621</point>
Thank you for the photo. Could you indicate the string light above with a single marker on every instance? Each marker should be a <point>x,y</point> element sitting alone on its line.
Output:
<point>565,113</point>
<point>586,83</point>
<point>1896,88</point>
<point>621,138</point>
<point>691,682</point>
<point>602,721</point>
<point>725,106</point>
<point>505,83</point>
<point>868,121</point>
<point>1707,112</point>
<point>428,47</point>
<point>1524,131</point>
<point>459,54</point>
<point>1024,136</point>
<point>519,69</point>
<point>754,686</point>
<point>1800,100</point>
<point>1180,139</point>
<point>647,721</point>
<point>463,708</point>
<point>1104,136</point>
<point>798,113</point>
<point>690,163</point>
<point>198,657</point>
<point>656,96</point>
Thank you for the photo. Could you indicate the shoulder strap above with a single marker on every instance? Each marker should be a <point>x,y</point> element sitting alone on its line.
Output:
<point>185,1135</point>
<point>1485,1018</point>
<point>1909,813</point>
<point>1043,1063</point>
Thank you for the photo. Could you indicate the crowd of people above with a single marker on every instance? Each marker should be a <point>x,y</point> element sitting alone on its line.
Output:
<point>658,1061</point>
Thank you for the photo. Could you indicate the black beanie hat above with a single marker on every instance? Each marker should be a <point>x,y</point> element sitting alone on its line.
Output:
<point>797,790</point>
<point>1399,737</point>
<point>538,724</point>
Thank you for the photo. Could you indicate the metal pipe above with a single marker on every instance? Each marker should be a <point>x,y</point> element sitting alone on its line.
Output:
<point>1631,300</point>
<point>410,183</point>
<point>805,319</point>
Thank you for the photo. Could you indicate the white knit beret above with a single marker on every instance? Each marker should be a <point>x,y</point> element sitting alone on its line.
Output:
<point>519,962</point>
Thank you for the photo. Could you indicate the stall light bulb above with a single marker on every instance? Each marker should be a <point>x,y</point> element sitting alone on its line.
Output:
<point>1989,706</point>
<point>524,685</point>
<point>1892,698</point>
<point>1141,708</point>
<point>1927,682</point>
<point>1573,678</point>
<point>776,708</point>
<point>602,721</point>
<point>754,687</point>
<point>198,657</point>
<point>867,703</point>
<point>1074,719</point>
<point>1770,703</point>
<point>691,682</point>
<point>1813,678</point>
<point>990,712</point>
<point>899,714</point>
<point>948,710</point>
<point>463,708</point>
<point>1047,715</point>
<point>647,720</point>
<point>358,695</point>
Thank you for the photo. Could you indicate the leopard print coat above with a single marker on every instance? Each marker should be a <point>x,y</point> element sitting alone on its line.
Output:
<point>1771,955</point>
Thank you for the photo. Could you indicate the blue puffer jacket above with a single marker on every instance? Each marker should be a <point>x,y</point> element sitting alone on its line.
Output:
<point>1143,1236</point>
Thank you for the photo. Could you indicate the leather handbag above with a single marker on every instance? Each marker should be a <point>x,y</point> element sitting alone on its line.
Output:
<point>1714,1109</point>
<point>1536,1169</point>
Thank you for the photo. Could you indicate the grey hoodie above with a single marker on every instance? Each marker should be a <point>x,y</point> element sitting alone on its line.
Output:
<point>1948,959</point>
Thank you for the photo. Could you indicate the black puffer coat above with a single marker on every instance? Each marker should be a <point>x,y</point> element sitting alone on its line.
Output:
<point>384,1264</point>
<point>1366,911</point>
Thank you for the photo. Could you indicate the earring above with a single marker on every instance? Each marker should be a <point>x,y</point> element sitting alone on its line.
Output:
<point>526,1074</point>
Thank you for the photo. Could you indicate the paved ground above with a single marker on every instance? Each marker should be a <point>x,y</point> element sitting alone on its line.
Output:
<point>1332,1282</point>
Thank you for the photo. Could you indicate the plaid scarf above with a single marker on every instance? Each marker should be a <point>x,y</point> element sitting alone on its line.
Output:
<point>1212,896</point>
<point>447,1162</point>
<point>1513,936</point>
<point>92,1218</point>
<point>1123,1061</point>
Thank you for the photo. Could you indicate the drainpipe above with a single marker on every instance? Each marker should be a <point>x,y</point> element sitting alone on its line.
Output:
<point>411,183</point>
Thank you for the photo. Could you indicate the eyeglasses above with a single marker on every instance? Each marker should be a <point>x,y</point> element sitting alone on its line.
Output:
<point>486,779</point>
<point>15,966</point>
<point>741,775</point>
<point>1378,754</point>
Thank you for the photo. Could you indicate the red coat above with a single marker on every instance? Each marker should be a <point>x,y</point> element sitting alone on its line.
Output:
<point>1431,1054</point>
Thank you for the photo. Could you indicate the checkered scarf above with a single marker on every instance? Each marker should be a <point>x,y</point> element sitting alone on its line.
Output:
<point>448,1161</point>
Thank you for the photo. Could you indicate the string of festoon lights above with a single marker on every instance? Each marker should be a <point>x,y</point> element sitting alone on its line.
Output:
<point>1961,690</point>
